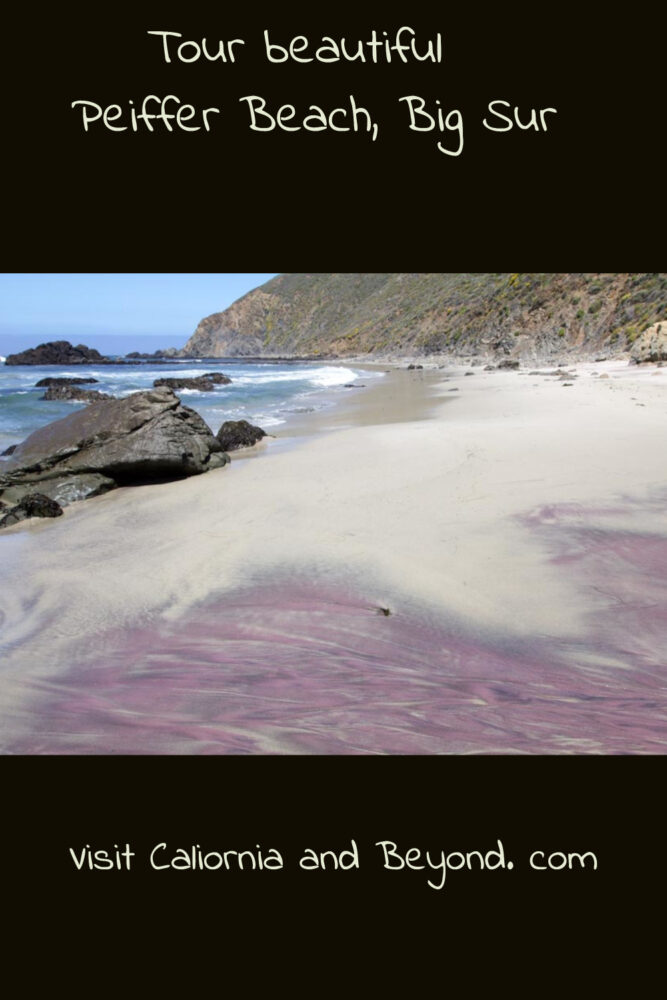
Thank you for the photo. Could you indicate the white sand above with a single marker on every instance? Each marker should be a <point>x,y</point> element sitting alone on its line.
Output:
<point>419,512</point>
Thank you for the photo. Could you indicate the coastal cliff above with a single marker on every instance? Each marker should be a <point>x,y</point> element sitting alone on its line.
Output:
<point>453,313</point>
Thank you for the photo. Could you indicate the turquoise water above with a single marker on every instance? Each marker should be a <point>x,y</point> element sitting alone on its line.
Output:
<point>262,392</point>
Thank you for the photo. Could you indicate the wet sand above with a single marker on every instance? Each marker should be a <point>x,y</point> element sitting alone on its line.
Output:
<point>515,531</point>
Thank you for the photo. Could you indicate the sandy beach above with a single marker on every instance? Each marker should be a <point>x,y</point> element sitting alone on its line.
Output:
<point>440,564</point>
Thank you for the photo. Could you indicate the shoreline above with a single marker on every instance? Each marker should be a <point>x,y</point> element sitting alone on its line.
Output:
<point>517,521</point>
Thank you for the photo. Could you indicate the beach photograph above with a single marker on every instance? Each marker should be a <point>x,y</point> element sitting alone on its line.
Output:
<point>333,514</point>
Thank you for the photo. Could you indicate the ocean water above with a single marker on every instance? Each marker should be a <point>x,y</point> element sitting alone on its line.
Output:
<point>264,393</point>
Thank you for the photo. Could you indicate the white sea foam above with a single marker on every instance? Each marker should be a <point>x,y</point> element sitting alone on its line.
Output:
<point>320,378</point>
<point>269,421</point>
<point>265,394</point>
<point>326,377</point>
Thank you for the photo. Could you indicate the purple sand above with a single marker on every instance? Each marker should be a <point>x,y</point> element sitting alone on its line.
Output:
<point>302,667</point>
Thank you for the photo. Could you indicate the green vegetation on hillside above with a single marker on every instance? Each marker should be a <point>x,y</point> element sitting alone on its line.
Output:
<point>457,313</point>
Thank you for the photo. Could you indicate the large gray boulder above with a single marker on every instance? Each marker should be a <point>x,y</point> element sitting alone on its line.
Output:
<point>144,437</point>
<point>651,345</point>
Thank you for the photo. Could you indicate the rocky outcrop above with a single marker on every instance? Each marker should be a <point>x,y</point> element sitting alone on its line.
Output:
<point>146,437</point>
<point>32,505</point>
<point>9,451</point>
<point>203,383</point>
<point>58,352</point>
<point>73,392</point>
<point>239,434</point>
<point>46,383</point>
<point>651,345</point>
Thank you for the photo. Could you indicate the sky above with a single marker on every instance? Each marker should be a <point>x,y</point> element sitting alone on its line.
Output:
<point>115,313</point>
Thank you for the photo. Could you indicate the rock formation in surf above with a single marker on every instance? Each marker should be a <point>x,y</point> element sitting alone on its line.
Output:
<point>146,437</point>
<point>58,352</point>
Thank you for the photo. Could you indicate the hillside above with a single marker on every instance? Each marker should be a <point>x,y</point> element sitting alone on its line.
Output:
<point>456,313</point>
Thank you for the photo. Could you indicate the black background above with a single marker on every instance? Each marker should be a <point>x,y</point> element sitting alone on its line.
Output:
<point>585,196</point>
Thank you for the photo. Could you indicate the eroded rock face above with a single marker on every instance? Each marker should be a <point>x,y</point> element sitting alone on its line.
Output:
<point>63,489</point>
<point>239,434</point>
<point>651,345</point>
<point>204,383</point>
<point>57,352</point>
<point>141,438</point>
<point>73,392</point>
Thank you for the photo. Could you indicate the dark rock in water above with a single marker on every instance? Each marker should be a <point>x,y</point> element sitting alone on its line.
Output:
<point>10,451</point>
<point>204,383</point>
<point>469,373</point>
<point>414,368</point>
<point>507,363</point>
<point>73,392</point>
<point>489,368</point>
<point>201,384</point>
<point>32,505</point>
<point>239,434</point>
<point>45,383</point>
<point>168,352</point>
<point>141,438</point>
<point>57,352</point>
